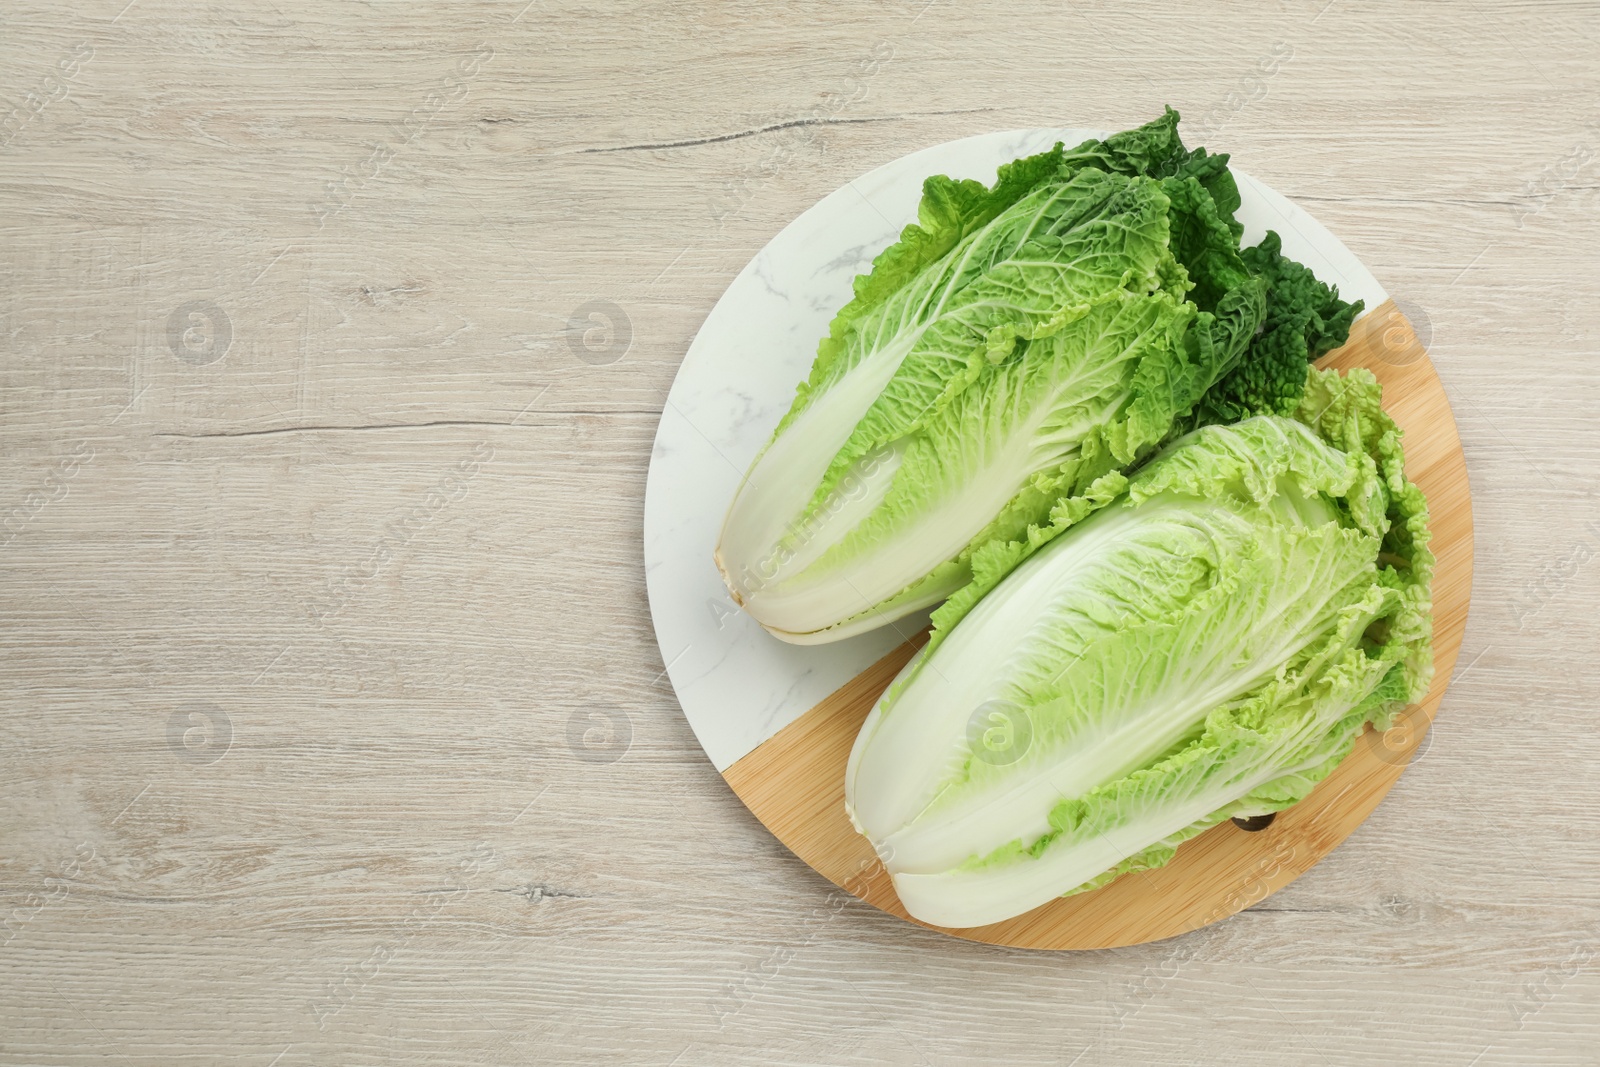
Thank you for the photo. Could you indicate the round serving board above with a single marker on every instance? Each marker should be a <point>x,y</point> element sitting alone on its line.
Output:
<point>779,720</point>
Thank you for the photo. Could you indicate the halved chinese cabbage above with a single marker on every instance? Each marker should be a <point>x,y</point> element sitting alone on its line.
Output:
<point>1202,640</point>
<point>1015,345</point>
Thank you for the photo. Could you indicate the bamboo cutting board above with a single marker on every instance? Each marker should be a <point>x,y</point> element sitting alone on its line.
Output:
<point>778,720</point>
<point>794,782</point>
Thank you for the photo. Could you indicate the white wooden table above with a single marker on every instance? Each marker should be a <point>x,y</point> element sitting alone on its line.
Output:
<point>334,729</point>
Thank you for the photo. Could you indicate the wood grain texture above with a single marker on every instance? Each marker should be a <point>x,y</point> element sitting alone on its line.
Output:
<point>794,782</point>
<point>316,895</point>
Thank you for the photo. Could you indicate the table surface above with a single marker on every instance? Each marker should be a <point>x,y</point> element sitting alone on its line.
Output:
<point>334,727</point>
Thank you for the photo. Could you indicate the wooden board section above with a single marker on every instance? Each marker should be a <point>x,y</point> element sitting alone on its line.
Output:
<point>794,783</point>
